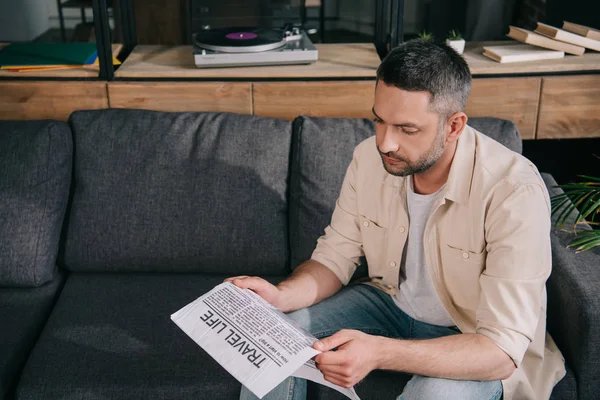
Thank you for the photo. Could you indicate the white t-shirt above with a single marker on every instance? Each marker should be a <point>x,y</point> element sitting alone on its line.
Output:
<point>416,295</point>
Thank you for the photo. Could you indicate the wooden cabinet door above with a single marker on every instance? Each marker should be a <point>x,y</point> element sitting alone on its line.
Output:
<point>515,99</point>
<point>570,107</point>
<point>352,99</point>
<point>49,99</point>
<point>182,96</point>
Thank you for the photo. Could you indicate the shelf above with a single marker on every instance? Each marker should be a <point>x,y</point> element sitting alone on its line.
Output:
<point>84,72</point>
<point>481,65</point>
<point>356,60</point>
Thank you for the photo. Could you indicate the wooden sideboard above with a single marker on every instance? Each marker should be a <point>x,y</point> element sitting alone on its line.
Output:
<point>546,99</point>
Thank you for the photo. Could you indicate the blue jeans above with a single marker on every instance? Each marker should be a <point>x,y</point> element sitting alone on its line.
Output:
<point>372,311</point>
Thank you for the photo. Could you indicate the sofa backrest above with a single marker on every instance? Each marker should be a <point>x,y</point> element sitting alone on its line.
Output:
<point>178,192</point>
<point>322,149</point>
<point>35,174</point>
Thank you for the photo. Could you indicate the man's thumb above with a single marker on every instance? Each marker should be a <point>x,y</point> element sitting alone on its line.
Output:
<point>331,342</point>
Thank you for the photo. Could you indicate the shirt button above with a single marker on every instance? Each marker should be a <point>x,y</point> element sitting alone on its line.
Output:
<point>366,223</point>
<point>465,255</point>
<point>392,264</point>
<point>402,229</point>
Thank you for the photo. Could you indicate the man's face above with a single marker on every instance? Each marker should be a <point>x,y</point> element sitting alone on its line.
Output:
<point>410,138</point>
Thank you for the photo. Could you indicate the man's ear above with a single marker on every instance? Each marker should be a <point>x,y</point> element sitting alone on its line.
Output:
<point>455,125</point>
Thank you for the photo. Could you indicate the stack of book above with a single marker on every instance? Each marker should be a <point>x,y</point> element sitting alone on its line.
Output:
<point>33,56</point>
<point>546,42</point>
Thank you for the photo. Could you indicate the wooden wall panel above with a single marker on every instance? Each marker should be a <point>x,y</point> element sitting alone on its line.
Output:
<point>570,107</point>
<point>160,21</point>
<point>49,99</point>
<point>182,96</point>
<point>287,100</point>
<point>515,99</point>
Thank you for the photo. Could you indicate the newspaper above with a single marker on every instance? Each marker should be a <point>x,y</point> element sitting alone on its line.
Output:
<point>256,343</point>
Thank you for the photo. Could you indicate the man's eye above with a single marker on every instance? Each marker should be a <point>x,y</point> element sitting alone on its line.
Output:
<point>409,132</point>
<point>377,120</point>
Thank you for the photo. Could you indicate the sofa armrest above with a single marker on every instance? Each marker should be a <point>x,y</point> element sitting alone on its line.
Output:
<point>574,307</point>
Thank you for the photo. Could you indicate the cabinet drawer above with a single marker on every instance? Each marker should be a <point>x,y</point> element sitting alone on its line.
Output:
<point>49,100</point>
<point>570,107</point>
<point>352,99</point>
<point>182,96</point>
<point>515,99</point>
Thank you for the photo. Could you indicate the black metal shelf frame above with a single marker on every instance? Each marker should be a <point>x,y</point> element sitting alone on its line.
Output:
<point>103,40</point>
<point>389,30</point>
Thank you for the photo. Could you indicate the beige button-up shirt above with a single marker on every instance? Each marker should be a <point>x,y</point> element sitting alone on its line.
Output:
<point>487,248</point>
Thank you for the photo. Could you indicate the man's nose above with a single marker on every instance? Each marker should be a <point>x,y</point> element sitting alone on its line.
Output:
<point>389,142</point>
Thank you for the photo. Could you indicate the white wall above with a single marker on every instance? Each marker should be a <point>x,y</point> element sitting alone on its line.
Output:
<point>22,20</point>
<point>72,16</point>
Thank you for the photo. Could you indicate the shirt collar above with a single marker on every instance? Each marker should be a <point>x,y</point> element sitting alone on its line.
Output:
<point>458,185</point>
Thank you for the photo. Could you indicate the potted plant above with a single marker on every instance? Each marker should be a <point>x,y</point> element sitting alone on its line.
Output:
<point>582,199</point>
<point>456,41</point>
<point>426,35</point>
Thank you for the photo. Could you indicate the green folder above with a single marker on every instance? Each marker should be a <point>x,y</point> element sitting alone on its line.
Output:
<point>37,54</point>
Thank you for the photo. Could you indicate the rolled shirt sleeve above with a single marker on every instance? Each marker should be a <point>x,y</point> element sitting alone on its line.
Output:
<point>340,248</point>
<point>518,263</point>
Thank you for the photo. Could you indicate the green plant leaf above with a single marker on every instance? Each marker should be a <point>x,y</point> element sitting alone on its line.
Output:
<point>586,240</point>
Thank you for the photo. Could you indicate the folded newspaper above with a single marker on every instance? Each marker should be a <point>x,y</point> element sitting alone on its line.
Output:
<point>255,342</point>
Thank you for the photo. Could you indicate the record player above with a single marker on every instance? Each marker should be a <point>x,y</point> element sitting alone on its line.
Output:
<point>236,47</point>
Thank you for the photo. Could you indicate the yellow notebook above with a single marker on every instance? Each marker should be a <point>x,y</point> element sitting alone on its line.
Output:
<point>25,68</point>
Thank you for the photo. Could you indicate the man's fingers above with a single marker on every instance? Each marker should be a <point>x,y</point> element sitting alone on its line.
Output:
<point>338,380</point>
<point>330,358</point>
<point>231,279</point>
<point>335,340</point>
<point>335,369</point>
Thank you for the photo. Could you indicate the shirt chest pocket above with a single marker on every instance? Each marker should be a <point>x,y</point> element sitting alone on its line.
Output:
<point>374,240</point>
<point>461,271</point>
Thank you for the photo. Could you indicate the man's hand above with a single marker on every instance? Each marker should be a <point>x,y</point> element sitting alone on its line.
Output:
<point>354,358</point>
<point>264,289</point>
<point>310,283</point>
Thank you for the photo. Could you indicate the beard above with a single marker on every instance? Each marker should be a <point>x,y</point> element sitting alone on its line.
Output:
<point>426,161</point>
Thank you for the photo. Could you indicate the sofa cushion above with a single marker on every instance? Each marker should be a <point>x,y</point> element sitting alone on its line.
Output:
<point>178,192</point>
<point>566,389</point>
<point>501,130</point>
<point>35,165</point>
<point>23,313</point>
<point>110,336</point>
<point>573,303</point>
<point>322,149</point>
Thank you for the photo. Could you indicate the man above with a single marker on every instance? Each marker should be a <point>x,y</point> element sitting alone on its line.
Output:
<point>456,296</point>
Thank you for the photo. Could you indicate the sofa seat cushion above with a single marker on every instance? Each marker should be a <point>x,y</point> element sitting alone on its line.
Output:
<point>23,313</point>
<point>178,192</point>
<point>35,174</point>
<point>110,336</point>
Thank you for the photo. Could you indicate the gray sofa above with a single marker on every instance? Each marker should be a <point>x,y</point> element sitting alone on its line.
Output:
<point>110,223</point>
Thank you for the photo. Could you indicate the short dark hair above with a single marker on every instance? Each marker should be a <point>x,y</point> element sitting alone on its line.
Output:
<point>424,65</point>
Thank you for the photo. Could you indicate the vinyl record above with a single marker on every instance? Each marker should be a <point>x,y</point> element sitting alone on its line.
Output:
<point>240,40</point>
